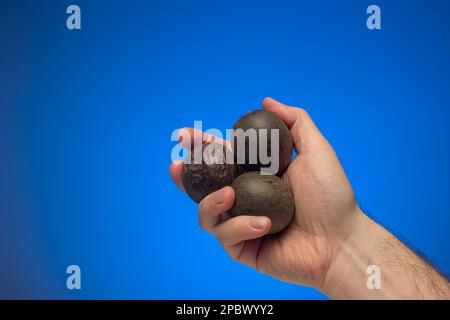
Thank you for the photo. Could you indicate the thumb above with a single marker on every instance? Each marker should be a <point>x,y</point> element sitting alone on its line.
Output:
<point>304,132</point>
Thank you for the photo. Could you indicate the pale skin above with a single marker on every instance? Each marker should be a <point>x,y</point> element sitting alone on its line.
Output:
<point>331,242</point>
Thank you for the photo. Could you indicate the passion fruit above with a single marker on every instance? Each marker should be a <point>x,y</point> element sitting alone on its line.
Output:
<point>262,122</point>
<point>207,168</point>
<point>263,195</point>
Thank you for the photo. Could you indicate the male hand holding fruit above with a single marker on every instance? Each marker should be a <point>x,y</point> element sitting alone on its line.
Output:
<point>330,242</point>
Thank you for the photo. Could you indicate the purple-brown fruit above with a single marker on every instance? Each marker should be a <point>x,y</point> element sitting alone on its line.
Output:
<point>263,195</point>
<point>262,119</point>
<point>211,173</point>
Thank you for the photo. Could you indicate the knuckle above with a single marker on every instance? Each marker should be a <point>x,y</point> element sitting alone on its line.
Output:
<point>202,217</point>
<point>302,112</point>
<point>201,222</point>
<point>204,205</point>
<point>220,235</point>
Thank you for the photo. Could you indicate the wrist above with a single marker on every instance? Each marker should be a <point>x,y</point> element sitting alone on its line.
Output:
<point>347,275</point>
<point>372,255</point>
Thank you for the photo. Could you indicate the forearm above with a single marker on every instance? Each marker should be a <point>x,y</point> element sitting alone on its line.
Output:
<point>403,274</point>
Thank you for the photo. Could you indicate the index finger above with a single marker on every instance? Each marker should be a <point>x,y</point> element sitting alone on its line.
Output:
<point>176,171</point>
<point>189,137</point>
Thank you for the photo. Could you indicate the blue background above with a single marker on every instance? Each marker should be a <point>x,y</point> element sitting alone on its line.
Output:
<point>86,118</point>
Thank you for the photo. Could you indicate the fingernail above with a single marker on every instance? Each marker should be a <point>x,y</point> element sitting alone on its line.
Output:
<point>219,196</point>
<point>258,222</point>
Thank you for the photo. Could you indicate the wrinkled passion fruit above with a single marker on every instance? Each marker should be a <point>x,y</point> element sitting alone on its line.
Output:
<point>207,168</point>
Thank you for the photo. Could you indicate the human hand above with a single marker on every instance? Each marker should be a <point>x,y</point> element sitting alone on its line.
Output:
<point>326,212</point>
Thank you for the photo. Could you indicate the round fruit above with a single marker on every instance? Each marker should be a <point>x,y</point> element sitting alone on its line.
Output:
<point>206,170</point>
<point>263,195</point>
<point>257,120</point>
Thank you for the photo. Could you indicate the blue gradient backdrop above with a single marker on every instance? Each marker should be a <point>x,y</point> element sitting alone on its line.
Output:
<point>86,118</point>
